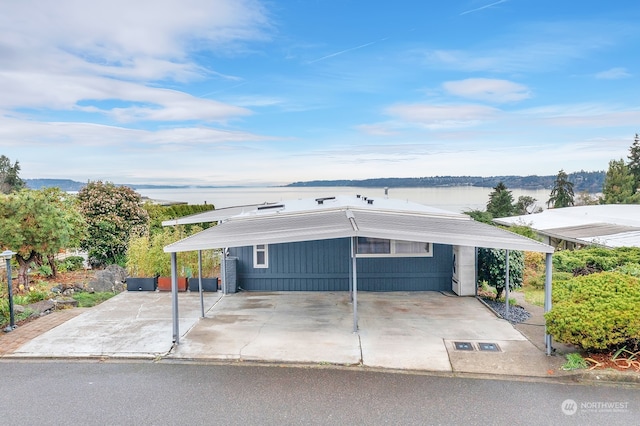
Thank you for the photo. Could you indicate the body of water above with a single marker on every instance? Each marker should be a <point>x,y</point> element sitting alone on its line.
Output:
<point>456,199</point>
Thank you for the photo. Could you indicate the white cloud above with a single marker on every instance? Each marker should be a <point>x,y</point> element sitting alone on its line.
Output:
<point>613,74</point>
<point>584,115</point>
<point>490,90</point>
<point>58,54</point>
<point>443,116</point>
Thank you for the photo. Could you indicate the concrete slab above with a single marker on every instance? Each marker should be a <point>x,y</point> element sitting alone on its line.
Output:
<point>399,330</point>
<point>275,327</point>
<point>514,357</point>
<point>131,324</point>
<point>407,330</point>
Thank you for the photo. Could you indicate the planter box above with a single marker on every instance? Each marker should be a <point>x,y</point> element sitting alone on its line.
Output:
<point>164,283</point>
<point>142,284</point>
<point>208,284</point>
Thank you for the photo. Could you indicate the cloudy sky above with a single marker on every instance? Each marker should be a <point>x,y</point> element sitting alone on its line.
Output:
<point>267,92</point>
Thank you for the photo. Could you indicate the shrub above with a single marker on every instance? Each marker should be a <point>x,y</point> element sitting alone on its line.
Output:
<point>597,312</point>
<point>492,268</point>
<point>71,263</point>
<point>596,258</point>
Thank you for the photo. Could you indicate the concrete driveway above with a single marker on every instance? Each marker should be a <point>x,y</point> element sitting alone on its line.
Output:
<point>400,330</point>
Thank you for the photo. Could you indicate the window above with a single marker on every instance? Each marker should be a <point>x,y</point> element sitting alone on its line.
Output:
<point>378,247</point>
<point>261,256</point>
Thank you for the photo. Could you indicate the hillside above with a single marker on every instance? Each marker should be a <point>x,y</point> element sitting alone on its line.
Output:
<point>583,181</point>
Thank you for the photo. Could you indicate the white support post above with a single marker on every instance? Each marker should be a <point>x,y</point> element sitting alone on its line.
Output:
<point>354,244</point>
<point>200,283</point>
<point>506,285</point>
<point>547,300</point>
<point>174,297</point>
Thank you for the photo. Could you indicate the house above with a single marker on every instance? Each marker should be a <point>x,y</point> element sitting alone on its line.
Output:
<point>607,225</point>
<point>348,243</point>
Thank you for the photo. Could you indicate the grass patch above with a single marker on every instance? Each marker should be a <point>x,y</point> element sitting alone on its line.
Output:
<point>87,300</point>
<point>575,362</point>
<point>533,296</point>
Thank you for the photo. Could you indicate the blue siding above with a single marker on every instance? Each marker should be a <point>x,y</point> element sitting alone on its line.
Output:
<point>324,266</point>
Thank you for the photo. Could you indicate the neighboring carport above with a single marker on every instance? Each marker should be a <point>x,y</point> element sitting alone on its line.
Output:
<point>273,225</point>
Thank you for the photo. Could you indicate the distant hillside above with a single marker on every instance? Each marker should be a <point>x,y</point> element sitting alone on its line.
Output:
<point>63,184</point>
<point>583,181</point>
<point>72,185</point>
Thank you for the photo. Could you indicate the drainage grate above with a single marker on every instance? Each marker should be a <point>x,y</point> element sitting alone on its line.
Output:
<point>463,346</point>
<point>489,347</point>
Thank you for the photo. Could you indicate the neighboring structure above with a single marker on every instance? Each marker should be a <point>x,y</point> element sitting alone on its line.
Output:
<point>348,244</point>
<point>608,225</point>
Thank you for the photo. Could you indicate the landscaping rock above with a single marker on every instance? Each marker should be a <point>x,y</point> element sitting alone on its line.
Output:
<point>517,314</point>
<point>109,279</point>
<point>43,306</point>
<point>66,302</point>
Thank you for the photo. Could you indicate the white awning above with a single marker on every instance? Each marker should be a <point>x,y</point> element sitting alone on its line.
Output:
<point>346,222</point>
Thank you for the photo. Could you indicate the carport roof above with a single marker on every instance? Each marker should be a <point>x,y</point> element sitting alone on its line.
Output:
<point>341,217</point>
<point>610,225</point>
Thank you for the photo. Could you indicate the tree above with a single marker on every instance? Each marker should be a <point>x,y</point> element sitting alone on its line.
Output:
<point>562,193</point>
<point>634,162</point>
<point>526,205</point>
<point>9,179</point>
<point>619,185</point>
<point>480,216</point>
<point>492,268</point>
<point>500,202</point>
<point>113,214</point>
<point>37,224</point>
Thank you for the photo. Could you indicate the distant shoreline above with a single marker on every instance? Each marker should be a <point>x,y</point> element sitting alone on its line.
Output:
<point>591,182</point>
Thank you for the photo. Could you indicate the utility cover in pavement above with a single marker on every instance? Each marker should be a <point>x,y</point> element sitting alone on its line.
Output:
<point>489,347</point>
<point>463,346</point>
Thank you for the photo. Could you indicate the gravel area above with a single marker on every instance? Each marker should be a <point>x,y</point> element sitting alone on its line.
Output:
<point>517,314</point>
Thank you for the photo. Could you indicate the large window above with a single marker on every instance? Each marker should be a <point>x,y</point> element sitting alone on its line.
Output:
<point>378,247</point>
<point>261,256</point>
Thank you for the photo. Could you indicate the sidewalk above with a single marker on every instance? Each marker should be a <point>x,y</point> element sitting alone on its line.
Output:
<point>10,342</point>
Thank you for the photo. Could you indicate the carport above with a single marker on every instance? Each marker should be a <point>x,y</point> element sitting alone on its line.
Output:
<point>345,217</point>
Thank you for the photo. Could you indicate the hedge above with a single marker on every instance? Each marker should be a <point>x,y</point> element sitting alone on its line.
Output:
<point>596,312</point>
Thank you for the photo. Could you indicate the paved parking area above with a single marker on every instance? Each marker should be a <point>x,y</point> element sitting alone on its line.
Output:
<point>399,330</point>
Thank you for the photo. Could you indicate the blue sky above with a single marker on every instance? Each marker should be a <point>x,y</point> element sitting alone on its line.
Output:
<point>225,92</point>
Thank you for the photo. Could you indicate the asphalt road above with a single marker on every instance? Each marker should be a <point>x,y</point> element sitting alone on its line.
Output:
<point>115,393</point>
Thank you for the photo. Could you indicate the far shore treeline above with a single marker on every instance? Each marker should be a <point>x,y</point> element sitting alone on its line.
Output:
<point>583,182</point>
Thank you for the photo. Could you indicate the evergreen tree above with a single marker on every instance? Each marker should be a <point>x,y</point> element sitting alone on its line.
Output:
<point>37,224</point>
<point>9,179</point>
<point>562,192</point>
<point>634,162</point>
<point>500,202</point>
<point>619,185</point>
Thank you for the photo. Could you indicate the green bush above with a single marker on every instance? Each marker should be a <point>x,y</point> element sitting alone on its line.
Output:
<point>597,312</point>
<point>71,263</point>
<point>492,268</point>
<point>601,259</point>
<point>632,269</point>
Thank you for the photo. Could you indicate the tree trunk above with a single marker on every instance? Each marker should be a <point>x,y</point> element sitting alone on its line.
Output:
<point>23,270</point>
<point>52,263</point>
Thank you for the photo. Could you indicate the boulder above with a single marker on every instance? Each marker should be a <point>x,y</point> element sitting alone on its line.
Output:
<point>109,279</point>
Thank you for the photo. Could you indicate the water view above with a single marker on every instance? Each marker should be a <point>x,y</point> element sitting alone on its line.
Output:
<point>455,199</point>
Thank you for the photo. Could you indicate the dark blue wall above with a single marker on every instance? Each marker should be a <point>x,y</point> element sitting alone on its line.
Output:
<point>324,266</point>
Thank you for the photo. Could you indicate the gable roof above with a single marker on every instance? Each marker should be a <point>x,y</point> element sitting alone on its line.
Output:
<point>341,217</point>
